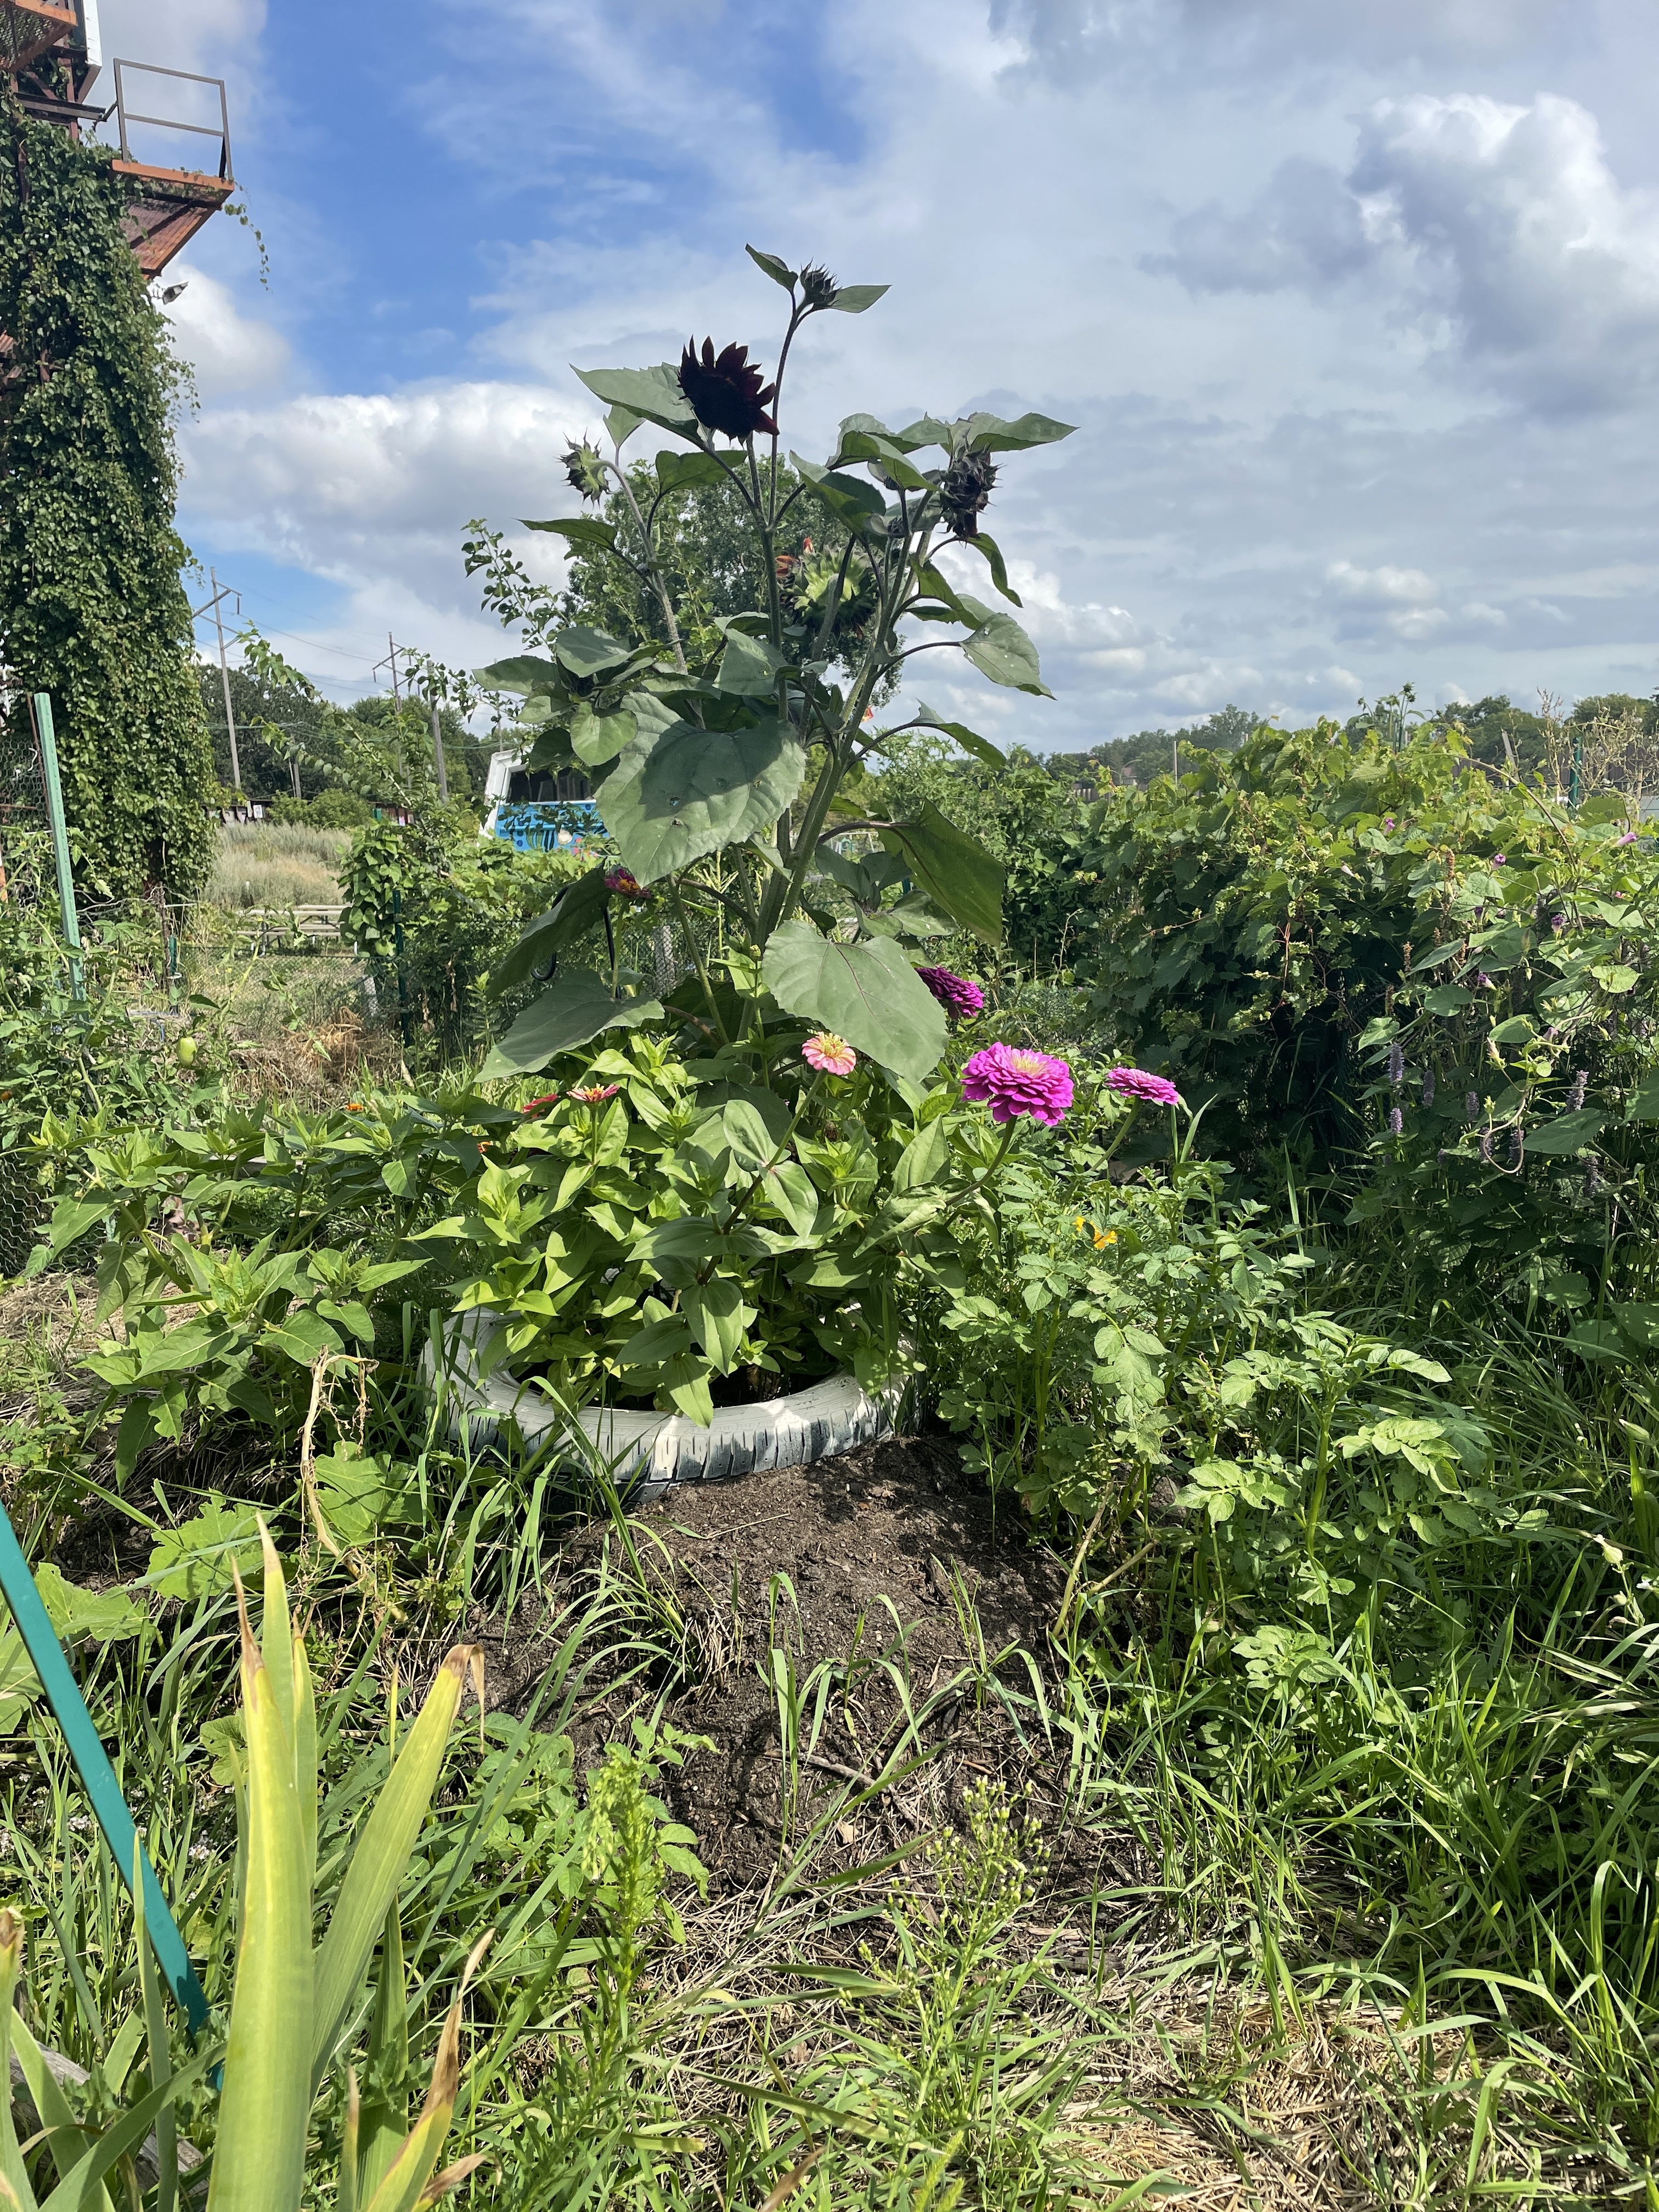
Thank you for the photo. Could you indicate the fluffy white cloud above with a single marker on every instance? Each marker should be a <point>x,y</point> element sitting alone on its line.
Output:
<point>346,484</point>
<point>1497,232</point>
<point>227,351</point>
<point>1518,233</point>
<point>1070,41</point>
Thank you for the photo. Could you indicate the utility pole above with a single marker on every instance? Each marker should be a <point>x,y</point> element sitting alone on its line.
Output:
<point>222,593</point>
<point>391,662</point>
<point>438,751</point>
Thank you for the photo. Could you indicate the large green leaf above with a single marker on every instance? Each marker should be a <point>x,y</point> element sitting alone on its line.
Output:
<point>1000,648</point>
<point>954,869</point>
<point>586,651</point>
<point>577,1009</point>
<point>652,394</point>
<point>991,433</point>
<point>779,270</point>
<point>887,454</point>
<point>853,298</point>
<point>970,740</point>
<point>698,790</point>
<point>577,909</point>
<point>851,500</point>
<point>1567,1133</point>
<point>868,993</point>
<point>524,673</point>
<point>584,530</point>
<point>682,471</point>
<point>991,553</point>
<point>597,738</point>
<point>749,666</point>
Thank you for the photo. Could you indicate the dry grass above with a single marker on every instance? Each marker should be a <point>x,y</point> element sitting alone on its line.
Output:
<point>267,864</point>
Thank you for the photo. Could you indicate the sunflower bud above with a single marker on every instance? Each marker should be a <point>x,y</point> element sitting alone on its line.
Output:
<point>966,492</point>
<point>585,466</point>
<point>818,288</point>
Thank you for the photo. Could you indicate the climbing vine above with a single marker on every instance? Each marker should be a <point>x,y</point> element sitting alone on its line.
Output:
<point>91,609</point>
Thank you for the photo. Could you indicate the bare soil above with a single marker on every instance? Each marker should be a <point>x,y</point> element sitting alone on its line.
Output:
<point>890,1582</point>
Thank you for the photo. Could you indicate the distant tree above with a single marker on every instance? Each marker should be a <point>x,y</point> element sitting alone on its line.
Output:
<point>1149,753</point>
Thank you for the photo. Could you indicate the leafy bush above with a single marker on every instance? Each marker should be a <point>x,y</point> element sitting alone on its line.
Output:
<point>433,907</point>
<point>1252,925</point>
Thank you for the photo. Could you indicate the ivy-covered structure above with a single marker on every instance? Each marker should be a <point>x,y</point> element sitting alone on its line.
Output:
<point>92,608</point>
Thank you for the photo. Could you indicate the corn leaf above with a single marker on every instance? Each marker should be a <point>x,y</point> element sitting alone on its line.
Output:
<point>383,1851</point>
<point>11,2159</point>
<point>258,2164</point>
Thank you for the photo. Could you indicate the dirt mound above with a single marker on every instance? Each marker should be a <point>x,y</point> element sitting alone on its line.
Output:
<point>824,1627</point>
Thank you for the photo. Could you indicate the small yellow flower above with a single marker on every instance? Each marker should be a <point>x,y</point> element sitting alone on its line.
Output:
<point>1110,1237</point>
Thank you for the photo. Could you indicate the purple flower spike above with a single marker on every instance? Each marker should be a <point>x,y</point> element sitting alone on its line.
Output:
<point>1145,1089</point>
<point>1576,1095</point>
<point>1396,1122</point>
<point>1396,1063</point>
<point>1013,1081</point>
<point>956,993</point>
<point>1470,1106</point>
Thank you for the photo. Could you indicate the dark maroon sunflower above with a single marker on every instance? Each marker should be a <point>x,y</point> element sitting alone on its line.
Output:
<point>725,393</point>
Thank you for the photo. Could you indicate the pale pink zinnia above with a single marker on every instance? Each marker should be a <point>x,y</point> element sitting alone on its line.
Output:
<point>596,1093</point>
<point>1011,1080</point>
<point>1144,1089</point>
<point>828,1054</point>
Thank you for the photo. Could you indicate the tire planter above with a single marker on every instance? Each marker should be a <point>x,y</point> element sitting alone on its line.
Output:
<point>651,1453</point>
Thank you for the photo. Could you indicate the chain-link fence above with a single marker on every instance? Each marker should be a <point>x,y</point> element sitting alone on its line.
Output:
<point>25,881</point>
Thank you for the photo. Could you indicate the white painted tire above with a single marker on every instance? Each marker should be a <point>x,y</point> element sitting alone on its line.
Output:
<point>648,1453</point>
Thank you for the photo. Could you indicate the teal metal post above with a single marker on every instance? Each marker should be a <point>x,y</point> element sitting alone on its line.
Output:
<point>64,1694</point>
<point>48,738</point>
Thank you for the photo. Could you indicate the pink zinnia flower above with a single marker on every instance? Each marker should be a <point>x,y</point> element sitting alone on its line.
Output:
<point>1013,1081</point>
<point>954,992</point>
<point>595,1093</point>
<point>1146,1089</point>
<point>622,883</point>
<point>550,1099</point>
<point>828,1054</point>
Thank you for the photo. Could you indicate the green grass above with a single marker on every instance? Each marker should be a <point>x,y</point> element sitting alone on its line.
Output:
<point>1387,1936</point>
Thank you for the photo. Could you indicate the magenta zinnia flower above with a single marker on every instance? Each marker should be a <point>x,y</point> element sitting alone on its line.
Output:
<point>954,992</point>
<point>1012,1081</point>
<point>1145,1089</point>
<point>622,883</point>
<point>828,1054</point>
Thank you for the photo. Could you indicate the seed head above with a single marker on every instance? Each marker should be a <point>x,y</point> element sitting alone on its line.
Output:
<point>966,492</point>
<point>1576,1095</point>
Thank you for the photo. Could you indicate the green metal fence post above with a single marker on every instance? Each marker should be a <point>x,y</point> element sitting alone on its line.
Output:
<point>47,738</point>
<point>64,1694</point>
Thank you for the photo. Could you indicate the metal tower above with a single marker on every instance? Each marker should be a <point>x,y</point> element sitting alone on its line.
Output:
<point>51,52</point>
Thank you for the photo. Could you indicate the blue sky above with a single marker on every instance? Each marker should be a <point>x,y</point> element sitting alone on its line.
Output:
<point>1356,308</point>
